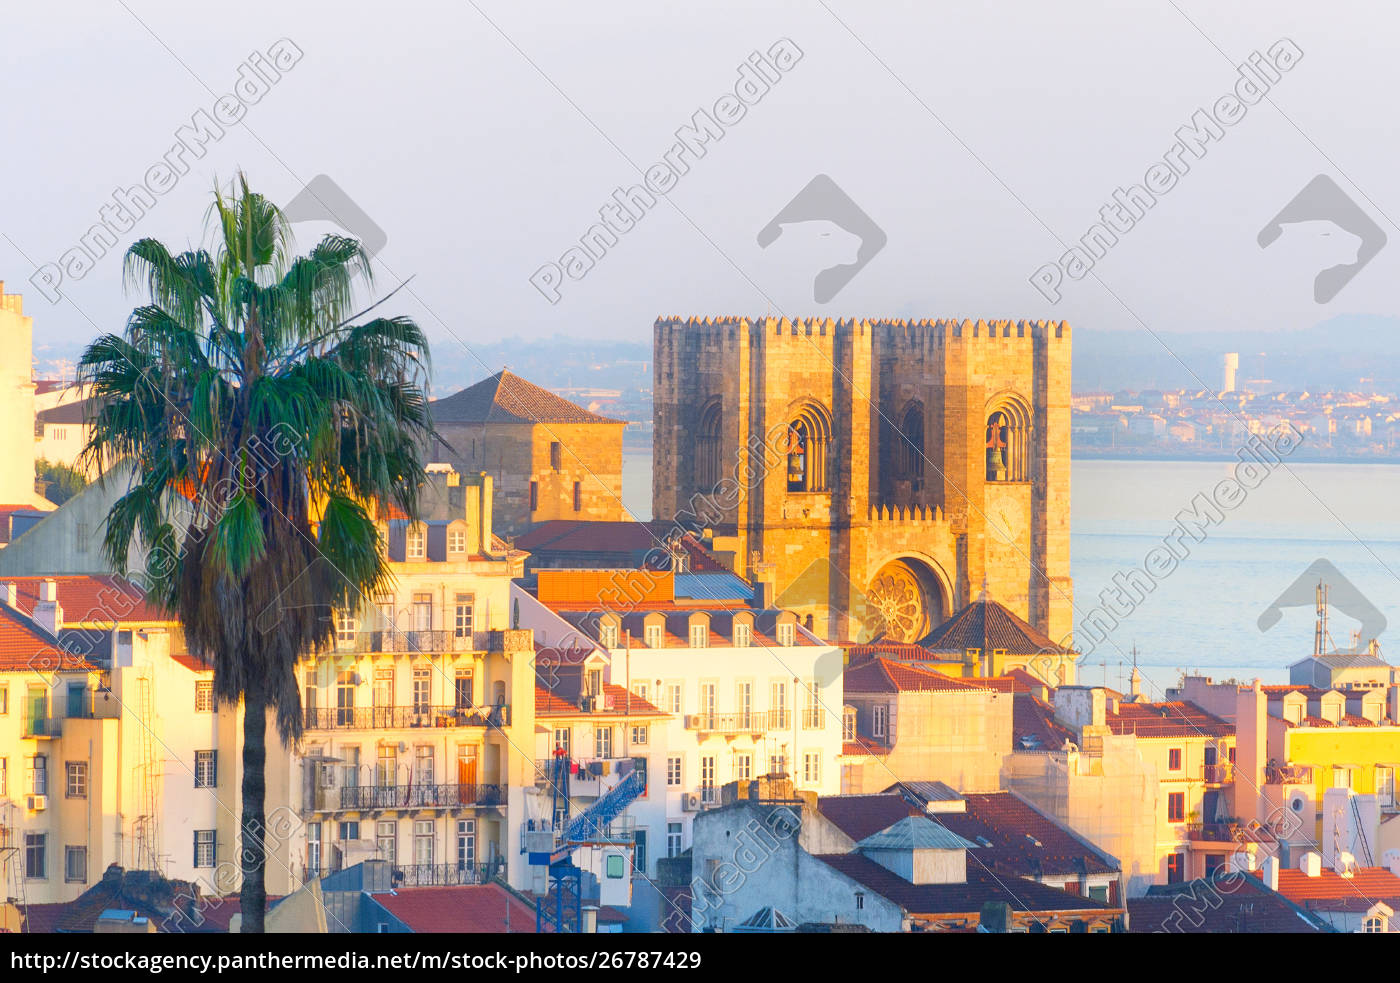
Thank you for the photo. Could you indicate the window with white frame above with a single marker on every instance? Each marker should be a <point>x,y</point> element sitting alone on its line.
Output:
<point>674,693</point>
<point>743,634</point>
<point>778,705</point>
<point>386,839</point>
<point>422,689</point>
<point>35,856</point>
<point>812,767</point>
<point>640,733</point>
<point>464,616</point>
<point>879,720</point>
<point>707,778</point>
<point>203,696</point>
<point>75,864</point>
<point>417,542</point>
<point>674,835</point>
<point>786,633</point>
<point>673,770</point>
<point>77,780</point>
<point>423,842</point>
<point>743,766</point>
<point>848,723</point>
<point>4,777</point>
<point>607,634</point>
<point>206,769</point>
<point>39,775</point>
<point>602,742</point>
<point>204,847</point>
<point>699,636</point>
<point>456,540</point>
<point>1385,785</point>
<point>349,829</point>
<point>4,698</point>
<point>466,844</point>
<point>777,764</point>
<point>564,738</point>
<point>313,849</point>
<point>641,689</point>
<point>653,635</point>
<point>1341,776</point>
<point>345,627</point>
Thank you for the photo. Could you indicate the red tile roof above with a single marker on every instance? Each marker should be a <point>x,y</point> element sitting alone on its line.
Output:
<point>193,663</point>
<point>25,646</point>
<point>1369,884</point>
<point>881,675</point>
<point>1023,842</point>
<point>1198,907</point>
<point>987,625</point>
<point>91,599</point>
<point>900,651</point>
<point>1167,720</point>
<point>619,701</point>
<point>863,746</point>
<point>859,816</point>
<point>507,398</point>
<point>473,908</point>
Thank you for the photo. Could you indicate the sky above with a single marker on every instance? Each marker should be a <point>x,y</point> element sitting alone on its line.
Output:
<point>971,144</point>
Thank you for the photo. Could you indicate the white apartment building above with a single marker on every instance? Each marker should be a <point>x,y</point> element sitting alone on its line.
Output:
<point>742,690</point>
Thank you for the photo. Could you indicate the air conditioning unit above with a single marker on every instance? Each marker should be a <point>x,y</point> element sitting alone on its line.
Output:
<point>690,802</point>
<point>37,803</point>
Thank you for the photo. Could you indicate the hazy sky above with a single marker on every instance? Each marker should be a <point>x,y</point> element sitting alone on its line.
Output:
<point>484,138</point>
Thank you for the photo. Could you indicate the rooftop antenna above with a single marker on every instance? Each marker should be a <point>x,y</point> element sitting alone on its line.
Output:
<point>1320,632</point>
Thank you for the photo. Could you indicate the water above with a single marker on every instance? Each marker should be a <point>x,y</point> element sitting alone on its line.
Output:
<point>1203,615</point>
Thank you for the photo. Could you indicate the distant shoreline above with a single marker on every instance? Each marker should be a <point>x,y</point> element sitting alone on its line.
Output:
<point>1220,456</point>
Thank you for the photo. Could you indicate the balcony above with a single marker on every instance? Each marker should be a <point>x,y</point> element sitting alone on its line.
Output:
<point>388,718</point>
<point>376,798</point>
<point>1228,833</point>
<point>1288,775</point>
<point>729,724</point>
<point>442,875</point>
<point>35,727</point>
<point>437,640</point>
<point>813,719</point>
<point>1219,774</point>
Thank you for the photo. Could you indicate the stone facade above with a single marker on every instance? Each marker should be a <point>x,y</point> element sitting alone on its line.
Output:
<point>877,473</point>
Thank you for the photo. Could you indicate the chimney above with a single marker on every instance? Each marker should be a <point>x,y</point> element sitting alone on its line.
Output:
<point>48,612</point>
<point>1311,864</point>
<point>1270,871</point>
<point>762,595</point>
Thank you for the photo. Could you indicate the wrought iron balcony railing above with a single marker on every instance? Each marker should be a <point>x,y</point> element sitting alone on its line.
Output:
<point>370,798</point>
<point>386,718</point>
<point>1288,774</point>
<point>398,640</point>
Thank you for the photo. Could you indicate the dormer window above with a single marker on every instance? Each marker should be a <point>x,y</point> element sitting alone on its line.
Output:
<point>848,723</point>
<point>699,636</point>
<point>457,540</point>
<point>654,635</point>
<point>607,634</point>
<point>743,634</point>
<point>786,633</point>
<point>417,546</point>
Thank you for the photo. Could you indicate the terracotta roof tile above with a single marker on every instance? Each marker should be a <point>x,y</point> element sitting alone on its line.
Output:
<point>881,675</point>
<point>91,599</point>
<point>987,625</point>
<point>1171,719</point>
<point>507,398</point>
<point>1198,907</point>
<point>474,908</point>
<point>1370,884</point>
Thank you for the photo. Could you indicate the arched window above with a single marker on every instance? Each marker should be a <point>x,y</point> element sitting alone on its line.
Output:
<point>1009,441</point>
<point>707,448</point>
<point>808,446</point>
<point>909,450</point>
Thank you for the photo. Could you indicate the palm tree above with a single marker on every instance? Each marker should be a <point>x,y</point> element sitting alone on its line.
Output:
<point>264,427</point>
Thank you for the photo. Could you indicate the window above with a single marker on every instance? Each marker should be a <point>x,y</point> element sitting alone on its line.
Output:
<point>204,847</point>
<point>848,723</point>
<point>423,770</point>
<point>35,861</point>
<point>345,627</point>
<point>423,842</point>
<point>417,542</point>
<point>707,699</point>
<point>860,900</point>
<point>350,770</point>
<point>349,830</point>
<point>699,636</point>
<point>743,634</point>
<point>1373,925</point>
<point>812,767</point>
<point>777,703</point>
<point>1214,861</point>
<point>313,849</point>
<point>616,867</point>
<point>578,496</point>
<point>1174,759</point>
<point>673,771</point>
<point>206,769</point>
<point>743,703</point>
<point>743,767</point>
<point>879,720</point>
<point>1009,442</point>
<point>1385,785</point>
<point>462,688</point>
<point>639,852</point>
<point>602,742</point>
<point>641,766</point>
<point>642,690</point>
<point>563,738</point>
<point>534,496</point>
<point>456,540</point>
<point>673,697</point>
<point>204,696</point>
<point>383,688</point>
<point>344,698</point>
<point>4,777</point>
<point>812,718</point>
<point>607,635</point>
<point>708,448</point>
<point>673,840</point>
<point>422,689</point>
<point>654,636</point>
<point>1176,807</point>
<point>909,448</point>
<point>1176,868</point>
<point>556,455</point>
<point>387,767</point>
<point>808,443</point>
<point>1341,776</point>
<point>386,839</point>
<point>4,699</point>
<point>423,611</point>
<point>77,779</point>
<point>75,865</point>
<point>466,844</point>
<point>640,733</point>
<point>777,764</point>
<point>707,778</point>
<point>786,633</point>
<point>39,775</point>
<point>465,609</point>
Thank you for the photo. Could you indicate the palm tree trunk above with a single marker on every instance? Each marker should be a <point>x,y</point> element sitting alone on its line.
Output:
<point>253,850</point>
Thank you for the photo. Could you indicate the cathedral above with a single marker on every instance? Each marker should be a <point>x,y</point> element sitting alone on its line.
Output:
<point>875,475</point>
